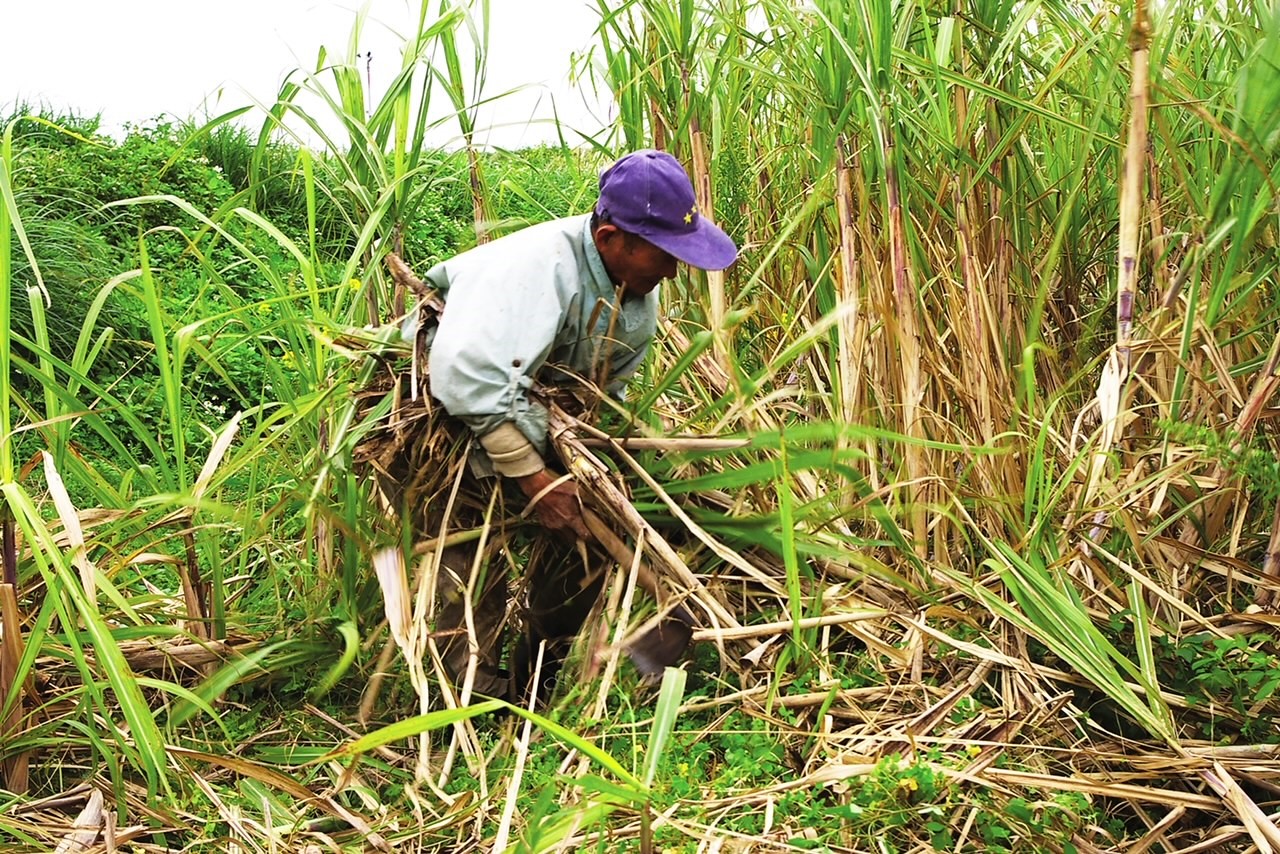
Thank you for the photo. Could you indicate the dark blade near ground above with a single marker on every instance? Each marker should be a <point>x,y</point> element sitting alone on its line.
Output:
<point>662,646</point>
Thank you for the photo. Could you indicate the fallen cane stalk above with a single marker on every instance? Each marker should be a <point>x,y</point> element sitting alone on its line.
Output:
<point>590,474</point>
<point>673,443</point>
<point>622,553</point>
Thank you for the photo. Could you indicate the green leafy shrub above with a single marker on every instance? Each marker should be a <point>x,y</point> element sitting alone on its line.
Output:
<point>1240,674</point>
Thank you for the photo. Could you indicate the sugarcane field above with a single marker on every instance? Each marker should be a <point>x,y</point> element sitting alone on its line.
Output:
<point>863,438</point>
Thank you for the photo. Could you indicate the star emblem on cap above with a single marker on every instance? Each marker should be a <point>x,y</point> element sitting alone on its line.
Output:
<point>688,218</point>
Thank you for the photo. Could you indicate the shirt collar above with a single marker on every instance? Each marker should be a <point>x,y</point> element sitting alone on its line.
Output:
<point>599,275</point>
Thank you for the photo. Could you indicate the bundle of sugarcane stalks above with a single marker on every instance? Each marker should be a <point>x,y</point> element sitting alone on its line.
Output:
<point>416,457</point>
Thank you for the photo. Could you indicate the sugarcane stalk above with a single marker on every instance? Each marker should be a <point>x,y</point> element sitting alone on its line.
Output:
<point>475,178</point>
<point>623,554</point>
<point>904,301</point>
<point>1112,385</point>
<point>701,176</point>
<point>849,285</point>
<point>404,277</point>
<point>657,123</point>
<point>10,547</point>
<point>981,364</point>
<point>14,768</point>
<point>194,590</point>
<point>1131,192</point>
<point>162,655</point>
<point>661,646</point>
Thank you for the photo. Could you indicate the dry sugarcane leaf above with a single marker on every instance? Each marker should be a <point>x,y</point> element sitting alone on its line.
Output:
<point>1262,830</point>
<point>290,786</point>
<point>783,627</point>
<point>388,566</point>
<point>219,450</point>
<point>85,829</point>
<point>71,524</point>
<point>756,653</point>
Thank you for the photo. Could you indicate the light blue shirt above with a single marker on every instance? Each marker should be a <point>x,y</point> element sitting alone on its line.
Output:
<point>519,308</point>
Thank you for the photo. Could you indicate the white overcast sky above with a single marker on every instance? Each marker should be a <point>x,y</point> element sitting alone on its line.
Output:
<point>134,60</point>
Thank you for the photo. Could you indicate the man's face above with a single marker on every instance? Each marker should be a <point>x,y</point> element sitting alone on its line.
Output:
<point>632,261</point>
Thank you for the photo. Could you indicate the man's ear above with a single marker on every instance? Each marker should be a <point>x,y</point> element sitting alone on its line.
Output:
<point>605,233</point>
<point>609,241</point>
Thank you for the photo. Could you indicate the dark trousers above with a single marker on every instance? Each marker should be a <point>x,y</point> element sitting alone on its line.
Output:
<point>545,609</point>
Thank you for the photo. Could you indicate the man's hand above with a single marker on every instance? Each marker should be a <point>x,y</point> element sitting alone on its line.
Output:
<point>559,509</point>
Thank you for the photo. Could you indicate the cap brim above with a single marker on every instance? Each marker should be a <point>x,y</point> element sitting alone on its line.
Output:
<point>707,247</point>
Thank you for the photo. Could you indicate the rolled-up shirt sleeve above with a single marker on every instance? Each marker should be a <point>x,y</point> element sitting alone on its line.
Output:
<point>510,451</point>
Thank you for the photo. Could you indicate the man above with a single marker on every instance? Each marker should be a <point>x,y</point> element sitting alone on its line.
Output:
<point>571,297</point>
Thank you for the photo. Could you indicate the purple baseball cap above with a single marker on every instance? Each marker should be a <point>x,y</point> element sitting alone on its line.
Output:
<point>648,193</point>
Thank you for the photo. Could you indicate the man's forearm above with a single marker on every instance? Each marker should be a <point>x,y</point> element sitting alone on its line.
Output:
<point>532,484</point>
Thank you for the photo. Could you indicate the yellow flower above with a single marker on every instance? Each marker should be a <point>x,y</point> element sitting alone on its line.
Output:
<point>264,308</point>
<point>909,783</point>
<point>354,285</point>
